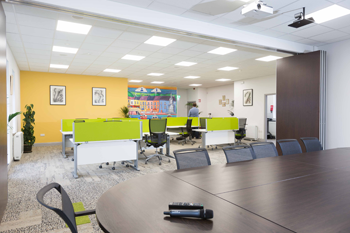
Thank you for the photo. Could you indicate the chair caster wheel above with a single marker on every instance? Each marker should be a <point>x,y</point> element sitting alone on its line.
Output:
<point>216,147</point>
<point>199,147</point>
<point>208,147</point>
<point>146,162</point>
<point>212,148</point>
<point>169,161</point>
<point>160,163</point>
<point>107,163</point>
<point>127,165</point>
<point>100,166</point>
<point>113,168</point>
<point>73,159</point>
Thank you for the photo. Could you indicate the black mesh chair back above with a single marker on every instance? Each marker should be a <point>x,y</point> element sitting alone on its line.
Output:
<point>242,122</point>
<point>289,146</point>
<point>311,144</point>
<point>238,153</point>
<point>67,212</point>
<point>157,129</point>
<point>203,123</point>
<point>264,149</point>
<point>189,126</point>
<point>191,158</point>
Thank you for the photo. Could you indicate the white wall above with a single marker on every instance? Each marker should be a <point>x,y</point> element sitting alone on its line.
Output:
<point>214,94</point>
<point>255,114</point>
<point>13,101</point>
<point>202,105</point>
<point>181,103</point>
<point>338,94</point>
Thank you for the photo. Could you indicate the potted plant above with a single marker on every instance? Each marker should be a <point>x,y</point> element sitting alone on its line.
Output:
<point>11,116</point>
<point>28,128</point>
<point>125,111</point>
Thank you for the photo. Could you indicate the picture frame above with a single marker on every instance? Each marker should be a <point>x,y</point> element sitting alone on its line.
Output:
<point>99,96</point>
<point>227,101</point>
<point>223,98</point>
<point>248,97</point>
<point>223,104</point>
<point>220,102</point>
<point>57,95</point>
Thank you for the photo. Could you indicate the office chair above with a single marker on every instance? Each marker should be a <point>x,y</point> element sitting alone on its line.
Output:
<point>238,153</point>
<point>264,149</point>
<point>289,146</point>
<point>67,212</point>
<point>157,137</point>
<point>311,144</point>
<point>203,123</point>
<point>187,134</point>
<point>241,132</point>
<point>191,158</point>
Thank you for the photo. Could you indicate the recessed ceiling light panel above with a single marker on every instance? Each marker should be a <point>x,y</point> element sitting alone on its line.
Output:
<point>268,58</point>
<point>111,70</point>
<point>57,66</point>
<point>155,74</point>
<point>77,28</point>
<point>64,49</point>
<point>328,13</point>
<point>195,85</point>
<point>223,80</point>
<point>160,41</point>
<point>222,51</point>
<point>192,77</point>
<point>185,63</point>
<point>228,68</point>
<point>133,57</point>
<point>157,82</point>
<point>135,81</point>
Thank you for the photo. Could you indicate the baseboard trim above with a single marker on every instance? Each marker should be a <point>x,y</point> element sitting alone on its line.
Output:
<point>48,144</point>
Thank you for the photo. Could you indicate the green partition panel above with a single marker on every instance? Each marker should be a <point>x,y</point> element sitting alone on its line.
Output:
<point>107,131</point>
<point>230,123</point>
<point>67,124</point>
<point>195,121</point>
<point>145,123</point>
<point>175,121</point>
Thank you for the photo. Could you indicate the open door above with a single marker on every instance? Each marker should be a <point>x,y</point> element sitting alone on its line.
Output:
<point>299,96</point>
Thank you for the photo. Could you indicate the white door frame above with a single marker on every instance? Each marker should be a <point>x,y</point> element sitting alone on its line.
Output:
<point>265,114</point>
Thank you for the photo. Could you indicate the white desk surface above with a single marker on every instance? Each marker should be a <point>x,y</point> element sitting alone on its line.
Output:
<point>200,130</point>
<point>169,133</point>
<point>126,140</point>
<point>66,133</point>
<point>179,126</point>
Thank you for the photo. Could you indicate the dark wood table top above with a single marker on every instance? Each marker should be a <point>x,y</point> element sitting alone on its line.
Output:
<point>308,192</point>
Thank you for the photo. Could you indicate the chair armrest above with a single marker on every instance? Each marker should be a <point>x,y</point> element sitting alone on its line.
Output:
<point>85,212</point>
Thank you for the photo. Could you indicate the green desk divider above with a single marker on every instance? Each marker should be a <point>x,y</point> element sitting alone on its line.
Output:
<point>106,131</point>
<point>179,121</point>
<point>195,121</point>
<point>230,123</point>
<point>145,123</point>
<point>67,124</point>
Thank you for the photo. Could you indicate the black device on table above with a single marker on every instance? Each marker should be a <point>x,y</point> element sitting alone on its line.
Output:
<point>188,209</point>
<point>185,206</point>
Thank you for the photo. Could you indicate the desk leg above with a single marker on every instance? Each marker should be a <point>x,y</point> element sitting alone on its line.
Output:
<point>64,146</point>
<point>75,173</point>
<point>204,135</point>
<point>136,161</point>
<point>234,131</point>
<point>168,147</point>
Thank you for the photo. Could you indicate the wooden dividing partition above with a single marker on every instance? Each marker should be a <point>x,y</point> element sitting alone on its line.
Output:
<point>3,115</point>
<point>298,96</point>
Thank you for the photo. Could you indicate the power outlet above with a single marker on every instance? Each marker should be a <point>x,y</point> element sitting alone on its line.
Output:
<point>42,135</point>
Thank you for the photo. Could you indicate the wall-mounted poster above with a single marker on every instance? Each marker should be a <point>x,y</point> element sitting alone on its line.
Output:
<point>227,101</point>
<point>57,95</point>
<point>220,102</point>
<point>223,98</point>
<point>147,102</point>
<point>223,104</point>
<point>248,97</point>
<point>98,96</point>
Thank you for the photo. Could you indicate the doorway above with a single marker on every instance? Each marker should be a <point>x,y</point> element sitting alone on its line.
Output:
<point>270,117</point>
<point>189,106</point>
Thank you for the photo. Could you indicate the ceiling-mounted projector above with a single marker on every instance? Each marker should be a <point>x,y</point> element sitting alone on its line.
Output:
<point>257,10</point>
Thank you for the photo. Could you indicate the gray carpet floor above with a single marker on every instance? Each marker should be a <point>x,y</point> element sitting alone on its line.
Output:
<point>46,165</point>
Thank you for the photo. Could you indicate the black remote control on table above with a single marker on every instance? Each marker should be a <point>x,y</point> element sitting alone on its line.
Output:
<point>185,206</point>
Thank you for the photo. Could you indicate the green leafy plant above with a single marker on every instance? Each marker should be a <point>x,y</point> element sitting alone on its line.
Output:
<point>28,128</point>
<point>11,116</point>
<point>125,111</point>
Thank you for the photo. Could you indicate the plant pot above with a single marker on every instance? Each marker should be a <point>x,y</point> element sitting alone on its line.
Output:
<point>27,148</point>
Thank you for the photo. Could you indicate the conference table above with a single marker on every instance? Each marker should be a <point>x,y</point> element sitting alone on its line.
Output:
<point>307,192</point>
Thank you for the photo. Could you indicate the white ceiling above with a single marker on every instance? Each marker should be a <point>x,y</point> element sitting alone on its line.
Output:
<point>31,35</point>
<point>315,34</point>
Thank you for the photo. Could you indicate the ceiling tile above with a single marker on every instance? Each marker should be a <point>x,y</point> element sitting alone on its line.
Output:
<point>14,43</point>
<point>10,17</point>
<point>181,3</point>
<point>272,33</point>
<point>190,53</point>
<point>118,50</point>
<point>36,32</point>
<point>346,29</point>
<point>290,37</point>
<point>66,43</point>
<point>182,44</point>
<point>147,47</point>
<point>37,22</point>
<point>69,36</point>
<point>135,37</point>
<point>125,44</point>
<point>312,31</point>
<point>38,51</point>
<point>138,3</point>
<point>329,36</point>
<point>104,32</point>
<point>93,47</point>
<point>98,40</point>
<point>166,8</point>
<point>37,46</point>
<point>338,23</point>
<point>13,37</point>
<point>37,40</point>
<point>170,50</point>
<point>11,28</point>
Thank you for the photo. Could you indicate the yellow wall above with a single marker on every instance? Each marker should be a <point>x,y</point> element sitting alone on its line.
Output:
<point>35,89</point>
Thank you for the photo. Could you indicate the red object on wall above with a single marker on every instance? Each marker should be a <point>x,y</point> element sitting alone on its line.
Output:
<point>199,100</point>
<point>271,108</point>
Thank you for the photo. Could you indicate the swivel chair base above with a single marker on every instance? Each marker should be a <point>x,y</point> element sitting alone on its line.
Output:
<point>158,154</point>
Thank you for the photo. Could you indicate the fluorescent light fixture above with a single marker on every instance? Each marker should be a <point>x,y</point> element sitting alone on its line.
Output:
<point>161,41</point>
<point>77,28</point>
<point>328,13</point>
<point>223,80</point>
<point>185,63</point>
<point>268,58</point>
<point>222,51</point>
<point>64,49</point>
<point>133,57</point>
<point>228,68</point>
<point>135,81</point>
<point>57,66</point>
<point>111,71</point>
<point>157,82</point>
<point>192,77</point>
<point>155,74</point>
<point>195,85</point>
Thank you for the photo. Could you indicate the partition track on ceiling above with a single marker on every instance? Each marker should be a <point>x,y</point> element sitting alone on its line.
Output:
<point>140,24</point>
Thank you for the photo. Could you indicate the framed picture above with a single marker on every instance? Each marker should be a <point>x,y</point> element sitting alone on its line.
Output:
<point>57,95</point>
<point>248,97</point>
<point>98,96</point>
<point>220,102</point>
<point>223,98</point>
<point>227,101</point>
<point>223,104</point>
